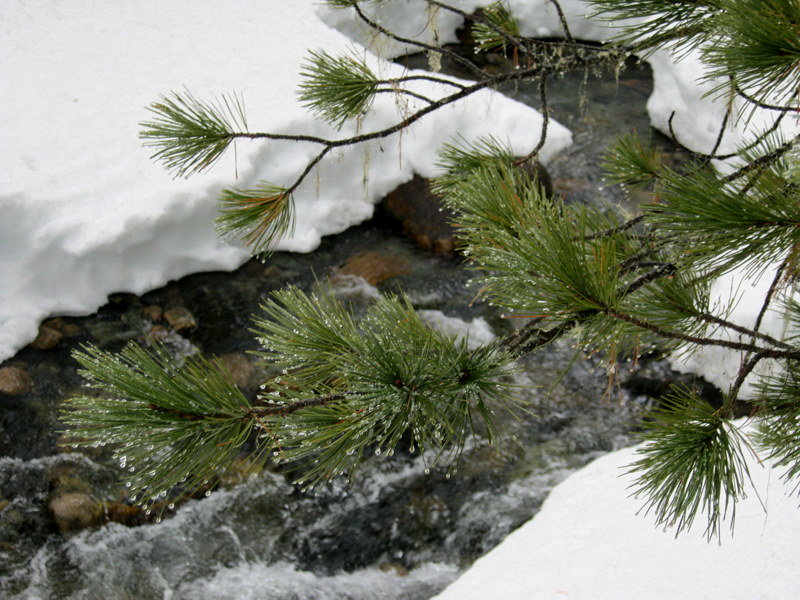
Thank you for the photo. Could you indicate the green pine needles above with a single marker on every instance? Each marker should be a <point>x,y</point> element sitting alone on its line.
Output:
<point>190,135</point>
<point>500,25</point>
<point>174,425</point>
<point>257,217</point>
<point>692,464</point>
<point>337,88</point>
<point>344,386</point>
<point>616,286</point>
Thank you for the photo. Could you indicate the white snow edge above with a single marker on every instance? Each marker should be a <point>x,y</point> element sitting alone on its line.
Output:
<point>87,213</point>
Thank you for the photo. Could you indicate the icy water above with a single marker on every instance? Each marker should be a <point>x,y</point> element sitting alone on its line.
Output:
<point>402,529</point>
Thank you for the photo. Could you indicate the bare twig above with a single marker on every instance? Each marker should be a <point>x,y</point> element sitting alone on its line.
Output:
<point>564,24</point>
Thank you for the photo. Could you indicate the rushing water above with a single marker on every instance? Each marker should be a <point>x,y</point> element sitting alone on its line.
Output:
<point>402,529</point>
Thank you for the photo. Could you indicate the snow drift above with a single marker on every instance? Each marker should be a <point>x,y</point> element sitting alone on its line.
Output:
<point>85,212</point>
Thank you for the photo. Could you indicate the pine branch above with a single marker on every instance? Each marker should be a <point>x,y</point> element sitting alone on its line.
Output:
<point>258,217</point>
<point>172,426</point>
<point>337,88</point>
<point>416,43</point>
<point>692,463</point>
<point>190,135</point>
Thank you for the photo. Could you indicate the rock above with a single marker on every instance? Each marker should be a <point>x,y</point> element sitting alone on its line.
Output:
<point>74,511</point>
<point>67,329</point>
<point>240,369</point>
<point>14,381</point>
<point>47,338</point>
<point>375,267</point>
<point>395,568</point>
<point>124,514</point>
<point>426,220</point>
<point>153,313</point>
<point>421,215</point>
<point>179,318</point>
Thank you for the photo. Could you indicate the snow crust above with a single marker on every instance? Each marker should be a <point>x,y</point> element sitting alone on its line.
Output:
<point>588,543</point>
<point>85,212</point>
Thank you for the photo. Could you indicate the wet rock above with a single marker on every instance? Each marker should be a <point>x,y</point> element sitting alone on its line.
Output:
<point>59,324</point>
<point>240,369</point>
<point>179,318</point>
<point>153,313</point>
<point>47,338</point>
<point>14,381</point>
<point>426,220</point>
<point>124,514</point>
<point>375,267</point>
<point>395,568</point>
<point>421,214</point>
<point>74,511</point>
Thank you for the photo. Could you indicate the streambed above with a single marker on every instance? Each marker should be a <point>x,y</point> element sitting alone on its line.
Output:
<point>403,529</point>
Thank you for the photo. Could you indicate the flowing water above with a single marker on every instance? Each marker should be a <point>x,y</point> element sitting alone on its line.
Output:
<point>403,529</point>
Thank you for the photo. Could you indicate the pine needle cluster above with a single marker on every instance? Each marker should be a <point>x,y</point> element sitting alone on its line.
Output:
<point>346,386</point>
<point>618,287</point>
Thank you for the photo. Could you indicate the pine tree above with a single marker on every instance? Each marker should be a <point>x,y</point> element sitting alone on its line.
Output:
<point>617,287</point>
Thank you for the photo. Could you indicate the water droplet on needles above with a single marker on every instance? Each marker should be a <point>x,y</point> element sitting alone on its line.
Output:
<point>208,493</point>
<point>377,452</point>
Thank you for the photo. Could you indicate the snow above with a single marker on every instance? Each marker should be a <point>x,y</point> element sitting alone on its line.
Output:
<point>588,543</point>
<point>476,332</point>
<point>87,213</point>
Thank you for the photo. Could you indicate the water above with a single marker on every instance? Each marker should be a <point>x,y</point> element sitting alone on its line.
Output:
<point>403,529</point>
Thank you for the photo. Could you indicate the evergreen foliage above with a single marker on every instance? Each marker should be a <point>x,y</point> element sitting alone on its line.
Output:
<point>337,88</point>
<point>619,287</point>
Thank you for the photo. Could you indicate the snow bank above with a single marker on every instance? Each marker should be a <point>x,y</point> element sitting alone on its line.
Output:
<point>588,543</point>
<point>84,210</point>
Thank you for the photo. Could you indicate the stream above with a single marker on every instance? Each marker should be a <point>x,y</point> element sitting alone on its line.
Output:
<point>403,529</point>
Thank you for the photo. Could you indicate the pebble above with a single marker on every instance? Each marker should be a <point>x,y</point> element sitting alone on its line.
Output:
<point>153,313</point>
<point>74,511</point>
<point>47,338</point>
<point>14,381</point>
<point>179,318</point>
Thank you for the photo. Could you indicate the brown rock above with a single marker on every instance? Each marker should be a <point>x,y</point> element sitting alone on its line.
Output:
<point>124,514</point>
<point>14,381</point>
<point>74,511</point>
<point>47,338</point>
<point>68,329</point>
<point>179,318</point>
<point>375,267</point>
<point>395,568</point>
<point>421,215</point>
<point>240,369</point>
<point>426,220</point>
<point>153,313</point>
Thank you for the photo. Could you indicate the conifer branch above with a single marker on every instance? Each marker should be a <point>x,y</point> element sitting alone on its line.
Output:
<point>563,20</point>
<point>762,162</point>
<point>416,43</point>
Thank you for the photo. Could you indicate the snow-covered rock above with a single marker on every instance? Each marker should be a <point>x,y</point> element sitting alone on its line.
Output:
<point>85,212</point>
